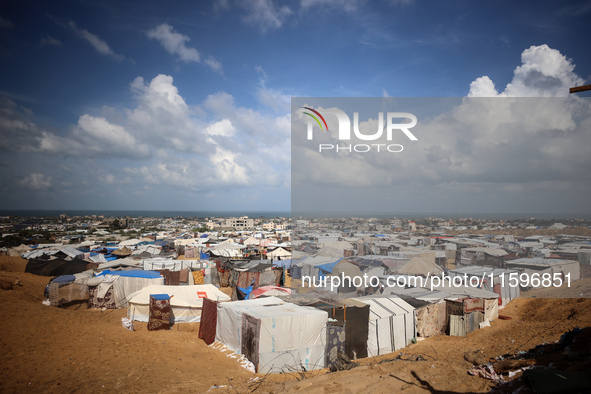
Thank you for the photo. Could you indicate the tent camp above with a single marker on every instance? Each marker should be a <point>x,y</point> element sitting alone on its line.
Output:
<point>186,302</point>
<point>275,336</point>
<point>391,324</point>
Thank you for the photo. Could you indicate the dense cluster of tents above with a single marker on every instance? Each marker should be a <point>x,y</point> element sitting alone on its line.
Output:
<point>275,327</point>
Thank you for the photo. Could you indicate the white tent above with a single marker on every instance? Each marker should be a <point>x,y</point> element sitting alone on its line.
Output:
<point>391,324</point>
<point>279,253</point>
<point>275,336</point>
<point>122,285</point>
<point>186,302</point>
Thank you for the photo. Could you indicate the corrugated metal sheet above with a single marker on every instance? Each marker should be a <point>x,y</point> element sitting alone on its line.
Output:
<point>457,326</point>
<point>473,321</point>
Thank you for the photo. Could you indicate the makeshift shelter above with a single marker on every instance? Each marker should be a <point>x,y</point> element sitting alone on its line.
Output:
<point>267,291</point>
<point>391,324</point>
<point>245,274</point>
<point>419,266</point>
<point>465,315</point>
<point>186,302</point>
<point>567,270</point>
<point>347,271</point>
<point>113,289</point>
<point>55,266</point>
<point>490,279</point>
<point>67,288</point>
<point>314,267</point>
<point>430,313</point>
<point>123,252</point>
<point>279,254</point>
<point>348,322</point>
<point>274,336</point>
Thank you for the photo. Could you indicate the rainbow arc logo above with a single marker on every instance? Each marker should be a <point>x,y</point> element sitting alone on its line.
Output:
<point>315,118</point>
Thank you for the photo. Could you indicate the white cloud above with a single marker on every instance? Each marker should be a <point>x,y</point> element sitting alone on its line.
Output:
<point>224,128</point>
<point>98,44</point>
<point>176,44</point>
<point>93,137</point>
<point>544,72</point>
<point>36,181</point>
<point>161,140</point>
<point>265,14</point>
<point>276,100</point>
<point>482,87</point>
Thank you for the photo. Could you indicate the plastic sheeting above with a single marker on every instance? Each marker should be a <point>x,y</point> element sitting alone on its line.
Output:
<point>290,336</point>
<point>186,301</point>
<point>391,324</point>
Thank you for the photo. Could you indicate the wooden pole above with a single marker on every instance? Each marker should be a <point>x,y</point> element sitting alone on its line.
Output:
<point>580,89</point>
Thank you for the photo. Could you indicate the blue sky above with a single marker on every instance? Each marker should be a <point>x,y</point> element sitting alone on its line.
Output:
<point>186,106</point>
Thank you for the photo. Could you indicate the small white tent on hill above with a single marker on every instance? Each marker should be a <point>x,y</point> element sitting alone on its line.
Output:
<point>275,336</point>
<point>186,302</point>
<point>391,324</point>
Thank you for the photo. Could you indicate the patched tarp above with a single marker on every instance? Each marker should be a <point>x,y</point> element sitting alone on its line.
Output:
<point>209,317</point>
<point>431,319</point>
<point>55,267</point>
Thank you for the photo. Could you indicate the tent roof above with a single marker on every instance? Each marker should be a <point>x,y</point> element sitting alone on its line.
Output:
<point>384,306</point>
<point>418,266</point>
<point>183,296</point>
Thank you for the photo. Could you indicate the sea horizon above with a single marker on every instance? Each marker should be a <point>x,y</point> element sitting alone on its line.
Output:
<point>289,214</point>
<point>141,213</point>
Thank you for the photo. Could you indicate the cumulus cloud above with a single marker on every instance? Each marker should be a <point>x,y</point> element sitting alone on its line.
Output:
<point>93,136</point>
<point>162,141</point>
<point>499,152</point>
<point>97,43</point>
<point>544,72</point>
<point>176,44</point>
<point>36,181</point>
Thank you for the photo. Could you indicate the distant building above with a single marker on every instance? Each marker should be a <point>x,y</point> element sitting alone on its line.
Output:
<point>242,223</point>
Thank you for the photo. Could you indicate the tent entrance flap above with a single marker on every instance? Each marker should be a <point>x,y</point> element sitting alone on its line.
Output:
<point>251,334</point>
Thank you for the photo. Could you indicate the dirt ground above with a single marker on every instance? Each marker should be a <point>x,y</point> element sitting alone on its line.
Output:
<point>76,349</point>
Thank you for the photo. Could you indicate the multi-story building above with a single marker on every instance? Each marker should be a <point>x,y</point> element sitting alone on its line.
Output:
<point>242,223</point>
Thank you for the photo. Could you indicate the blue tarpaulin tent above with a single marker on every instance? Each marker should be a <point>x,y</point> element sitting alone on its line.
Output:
<point>327,268</point>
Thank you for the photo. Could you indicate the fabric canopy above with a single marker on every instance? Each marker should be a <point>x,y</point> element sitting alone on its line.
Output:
<point>186,302</point>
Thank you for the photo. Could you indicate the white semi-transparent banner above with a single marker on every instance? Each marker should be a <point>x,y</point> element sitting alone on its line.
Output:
<point>469,169</point>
